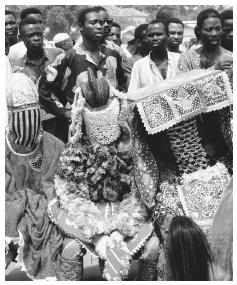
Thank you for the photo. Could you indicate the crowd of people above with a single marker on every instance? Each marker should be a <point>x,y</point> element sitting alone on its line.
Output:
<point>120,150</point>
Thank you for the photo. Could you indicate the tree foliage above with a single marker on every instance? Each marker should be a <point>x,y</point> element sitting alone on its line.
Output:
<point>60,18</point>
<point>56,20</point>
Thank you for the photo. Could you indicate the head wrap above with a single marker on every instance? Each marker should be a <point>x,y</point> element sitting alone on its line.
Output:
<point>60,37</point>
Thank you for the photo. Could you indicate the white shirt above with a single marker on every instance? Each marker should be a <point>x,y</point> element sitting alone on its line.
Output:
<point>18,50</point>
<point>145,72</point>
<point>8,75</point>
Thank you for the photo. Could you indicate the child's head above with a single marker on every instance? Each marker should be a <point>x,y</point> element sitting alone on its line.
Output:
<point>189,256</point>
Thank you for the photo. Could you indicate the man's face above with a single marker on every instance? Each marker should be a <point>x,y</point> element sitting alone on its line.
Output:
<point>175,36</point>
<point>93,27</point>
<point>11,28</point>
<point>32,36</point>
<point>156,36</point>
<point>211,32</point>
<point>108,23</point>
<point>227,33</point>
<point>115,35</point>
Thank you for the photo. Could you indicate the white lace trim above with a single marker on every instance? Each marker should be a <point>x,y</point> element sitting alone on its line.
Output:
<point>202,93</point>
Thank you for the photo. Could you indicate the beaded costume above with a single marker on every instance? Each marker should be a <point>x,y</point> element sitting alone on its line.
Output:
<point>99,176</point>
<point>192,178</point>
<point>31,159</point>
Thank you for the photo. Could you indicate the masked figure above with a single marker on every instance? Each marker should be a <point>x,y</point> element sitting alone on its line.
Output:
<point>98,185</point>
<point>193,163</point>
<point>31,161</point>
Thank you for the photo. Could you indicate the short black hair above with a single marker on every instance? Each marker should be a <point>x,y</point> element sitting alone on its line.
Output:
<point>83,13</point>
<point>166,12</point>
<point>175,21</point>
<point>26,21</point>
<point>157,21</point>
<point>99,8</point>
<point>115,24</point>
<point>28,11</point>
<point>8,12</point>
<point>227,15</point>
<point>205,14</point>
<point>202,16</point>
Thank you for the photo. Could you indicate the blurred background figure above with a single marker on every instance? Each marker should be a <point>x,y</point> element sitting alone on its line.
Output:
<point>175,34</point>
<point>227,30</point>
<point>195,43</point>
<point>115,34</point>
<point>11,27</point>
<point>138,47</point>
<point>115,37</point>
<point>63,41</point>
<point>167,12</point>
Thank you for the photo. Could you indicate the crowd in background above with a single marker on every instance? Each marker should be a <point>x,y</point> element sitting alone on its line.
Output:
<point>42,102</point>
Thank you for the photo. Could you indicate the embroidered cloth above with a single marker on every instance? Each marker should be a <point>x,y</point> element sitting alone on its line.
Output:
<point>182,97</point>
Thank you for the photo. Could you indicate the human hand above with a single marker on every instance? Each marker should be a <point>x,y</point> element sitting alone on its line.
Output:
<point>225,62</point>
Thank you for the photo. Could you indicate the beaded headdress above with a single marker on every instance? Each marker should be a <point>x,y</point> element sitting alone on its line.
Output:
<point>23,111</point>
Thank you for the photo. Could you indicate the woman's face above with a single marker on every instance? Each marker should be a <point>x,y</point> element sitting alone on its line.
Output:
<point>211,32</point>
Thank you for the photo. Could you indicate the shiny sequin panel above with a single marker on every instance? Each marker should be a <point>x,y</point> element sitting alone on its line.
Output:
<point>184,100</point>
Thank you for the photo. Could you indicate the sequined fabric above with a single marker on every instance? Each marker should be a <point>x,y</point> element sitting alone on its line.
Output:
<point>178,100</point>
<point>198,188</point>
<point>102,125</point>
<point>196,195</point>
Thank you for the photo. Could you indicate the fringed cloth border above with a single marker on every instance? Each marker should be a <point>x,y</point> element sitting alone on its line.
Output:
<point>185,96</point>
